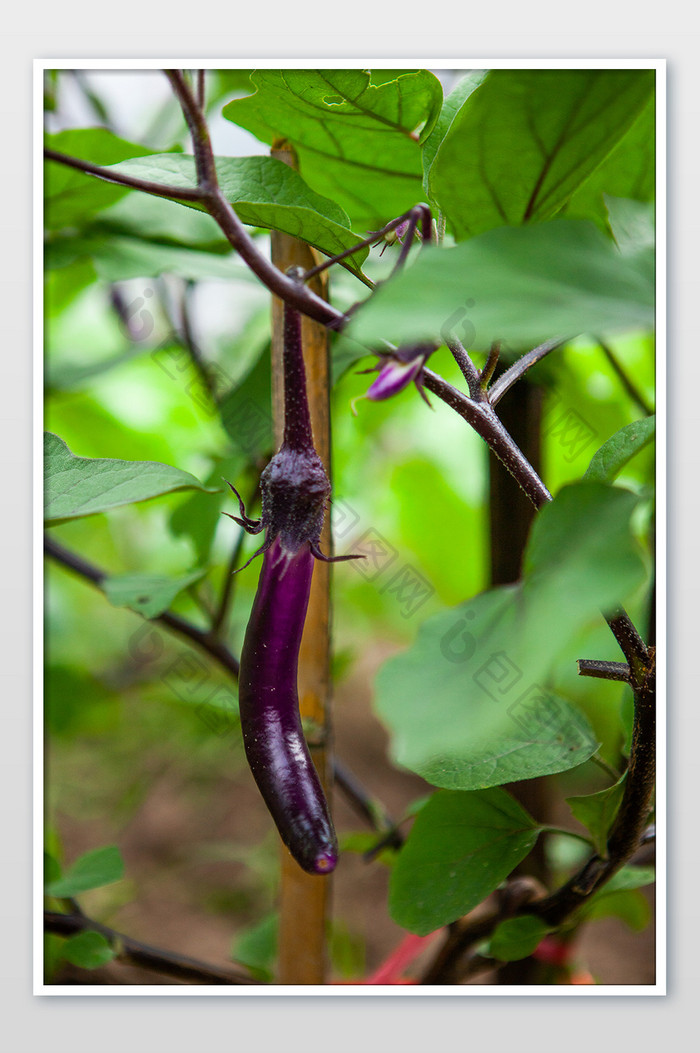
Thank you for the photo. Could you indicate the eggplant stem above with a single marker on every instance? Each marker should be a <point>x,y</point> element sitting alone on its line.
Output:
<point>317,554</point>
<point>251,526</point>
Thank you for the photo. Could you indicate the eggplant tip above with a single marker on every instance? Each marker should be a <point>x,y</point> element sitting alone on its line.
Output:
<point>325,862</point>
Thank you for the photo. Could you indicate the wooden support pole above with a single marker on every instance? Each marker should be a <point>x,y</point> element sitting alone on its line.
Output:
<point>305,898</point>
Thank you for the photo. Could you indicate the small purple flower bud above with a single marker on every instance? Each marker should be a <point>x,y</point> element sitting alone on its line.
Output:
<point>401,230</point>
<point>393,377</point>
<point>396,371</point>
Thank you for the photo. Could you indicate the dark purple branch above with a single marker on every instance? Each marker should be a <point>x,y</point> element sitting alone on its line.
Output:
<point>604,670</point>
<point>626,381</point>
<point>201,143</point>
<point>482,418</point>
<point>133,952</point>
<point>175,193</point>
<point>491,363</point>
<point>520,368</point>
<point>201,89</point>
<point>222,212</point>
<point>467,367</point>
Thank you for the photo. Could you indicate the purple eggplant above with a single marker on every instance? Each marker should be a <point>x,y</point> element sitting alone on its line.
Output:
<point>295,490</point>
<point>269,707</point>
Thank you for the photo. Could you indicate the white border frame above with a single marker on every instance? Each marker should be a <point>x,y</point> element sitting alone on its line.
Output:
<point>128,64</point>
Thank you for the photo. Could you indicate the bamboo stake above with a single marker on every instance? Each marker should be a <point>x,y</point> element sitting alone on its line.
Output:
<point>305,898</point>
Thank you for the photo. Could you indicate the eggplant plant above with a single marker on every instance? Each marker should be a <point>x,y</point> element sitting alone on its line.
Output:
<point>488,254</point>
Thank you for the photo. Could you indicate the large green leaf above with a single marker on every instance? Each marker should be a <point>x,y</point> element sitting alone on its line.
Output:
<point>357,135</point>
<point>525,140</point>
<point>469,704</point>
<point>118,258</point>
<point>519,285</point>
<point>627,172</point>
<point>81,486</point>
<point>450,108</point>
<point>633,225</point>
<point>620,448</point>
<point>71,197</point>
<point>148,594</point>
<point>461,847</point>
<point>265,193</point>
<point>99,867</point>
<point>165,222</point>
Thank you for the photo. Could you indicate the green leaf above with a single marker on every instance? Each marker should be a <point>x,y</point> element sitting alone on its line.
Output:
<point>357,140</point>
<point>52,869</point>
<point>607,462</point>
<point>256,947</point>
<point>450,108</point>
<point>518,285</point>
<point>627,172</point>
<point>629,905</point>
<point>517,938</point>
<point>82,486</point>
<point>88,950</point>
<point>461,847</point>
<point>628,877</point>
<point>265,193</point>
<point>147,594</point>
<point>71,197</point>
<point>525,140</point>
<point>119,258</point>
<point>73,376</point>
<point>162,221</point>
<point>100,867</point>
<point>596,811</point>
<point>632,224</point>
<point>246,410</point>
<point>76,703</point>
<point>468,705</point>
<point>62,285</point>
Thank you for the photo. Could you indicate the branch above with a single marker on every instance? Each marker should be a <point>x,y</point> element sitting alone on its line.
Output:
<point>490,365</point>
<point>369,808</point>
<point>201,143</point>
<point>175,193</point>
<point>634,809</point>
<point>133,952</point>
<point>190,344</point>
<point>627,384</point>
<point>454,963</point>
<point>413,215</point>
<point>201,89</point>
<point>483,419</point>
<point>174,622</point>
<point>603,670</point>
<point>627,835</point>
<point>469,370</point>
<point>214,202</point>
<point>520,368</point>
